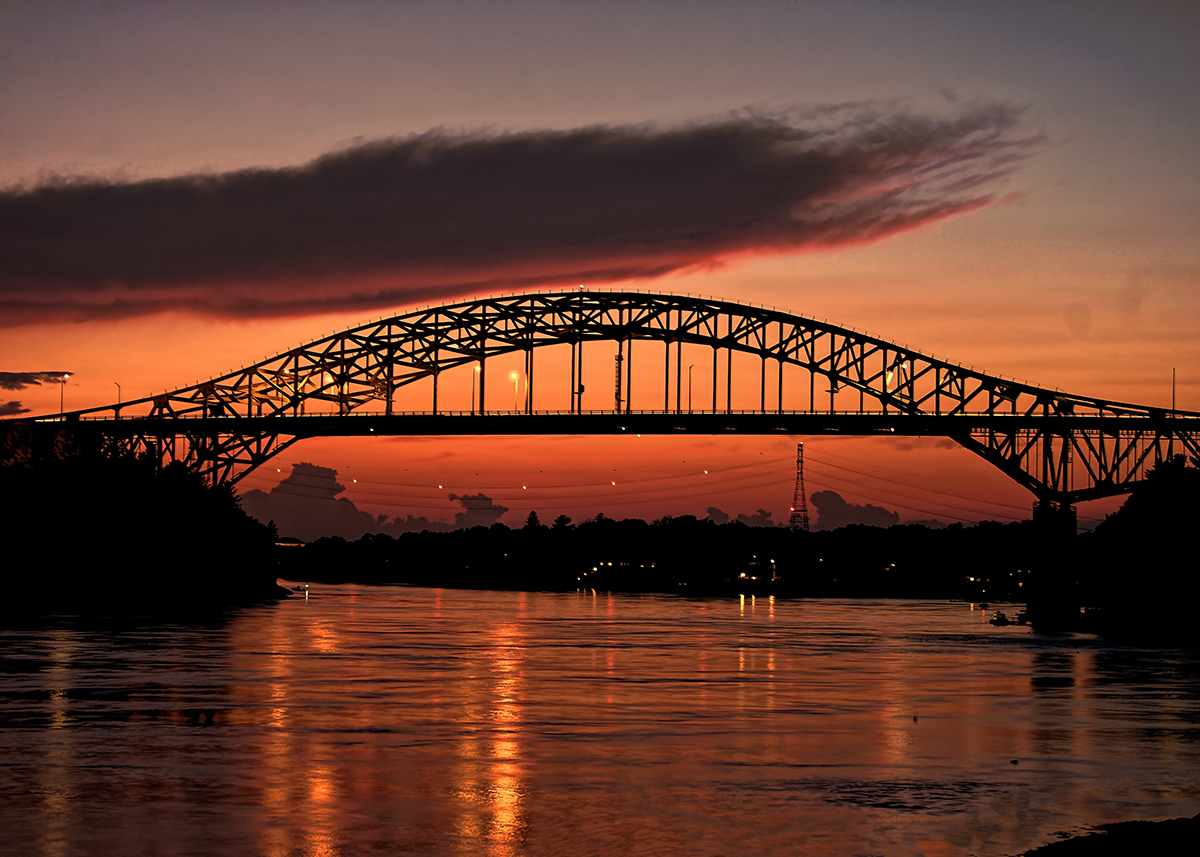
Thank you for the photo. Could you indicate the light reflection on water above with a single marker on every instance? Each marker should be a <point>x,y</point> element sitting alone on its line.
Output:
<point>372,720</point>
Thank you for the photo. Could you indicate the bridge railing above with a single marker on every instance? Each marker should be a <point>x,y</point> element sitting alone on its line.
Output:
<point>1184,416</point>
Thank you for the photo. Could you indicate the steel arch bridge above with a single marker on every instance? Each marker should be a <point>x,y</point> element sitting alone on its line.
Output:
<point>1064,448</point>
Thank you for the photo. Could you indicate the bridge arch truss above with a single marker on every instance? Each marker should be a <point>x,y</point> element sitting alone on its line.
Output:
<point>1064,448</point>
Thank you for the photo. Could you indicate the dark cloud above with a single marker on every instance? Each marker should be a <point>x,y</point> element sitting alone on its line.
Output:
<point>834,512</point>
<point>717,516</point>
<point>310,480</point>
<point>761,518</point>
<point>305,505</point>
<point>436,215</point>
<point>478,510</point>
<point>12,409</point>
<point>21,380</point>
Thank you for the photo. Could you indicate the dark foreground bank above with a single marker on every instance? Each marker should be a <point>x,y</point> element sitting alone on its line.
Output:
<point>1170,837</point>
<point>120,535</point>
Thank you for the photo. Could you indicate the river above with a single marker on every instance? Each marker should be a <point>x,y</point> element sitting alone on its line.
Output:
<point>376,720</point>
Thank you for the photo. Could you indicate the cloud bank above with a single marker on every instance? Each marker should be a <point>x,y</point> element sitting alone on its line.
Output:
<point>439,215</point>
<point>306,505</point>
<point>833,512</point>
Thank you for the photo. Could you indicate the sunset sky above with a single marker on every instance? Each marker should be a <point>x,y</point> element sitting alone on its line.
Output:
<point>186,188</point>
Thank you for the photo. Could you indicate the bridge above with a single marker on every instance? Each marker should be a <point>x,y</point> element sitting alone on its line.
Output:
<point>813,378</point>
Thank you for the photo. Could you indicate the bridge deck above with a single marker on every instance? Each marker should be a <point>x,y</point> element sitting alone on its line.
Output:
<point>361,424</point>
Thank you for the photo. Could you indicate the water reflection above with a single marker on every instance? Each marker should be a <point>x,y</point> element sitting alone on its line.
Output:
<point>466,723</point>
<point>489,778</point>
<point>59,755</point>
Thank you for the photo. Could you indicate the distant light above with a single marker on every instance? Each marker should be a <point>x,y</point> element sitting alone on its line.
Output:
<point>614,483</point>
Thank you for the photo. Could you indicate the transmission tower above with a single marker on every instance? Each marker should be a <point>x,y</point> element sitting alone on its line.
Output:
<point>799,519</point>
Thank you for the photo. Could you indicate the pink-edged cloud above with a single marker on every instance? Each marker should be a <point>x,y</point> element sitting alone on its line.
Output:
<point>438,215</point>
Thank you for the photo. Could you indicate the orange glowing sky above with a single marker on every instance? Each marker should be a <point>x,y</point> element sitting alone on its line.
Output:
<point>1075,266</point>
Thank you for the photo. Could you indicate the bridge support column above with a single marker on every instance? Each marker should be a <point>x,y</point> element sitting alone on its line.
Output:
<point>1053,600</point>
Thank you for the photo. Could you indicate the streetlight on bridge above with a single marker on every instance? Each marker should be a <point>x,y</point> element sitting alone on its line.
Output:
<point>515,377</point>
<point>62,386</point>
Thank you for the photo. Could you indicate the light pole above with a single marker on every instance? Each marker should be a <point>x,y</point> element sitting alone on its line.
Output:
<point>516,379</point>
<point>62,386</point>
<point>474,376</point>
<point>118,386</point>
<point>690,388</point>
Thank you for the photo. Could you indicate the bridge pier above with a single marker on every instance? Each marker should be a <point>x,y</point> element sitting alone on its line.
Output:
<point>1053,601</point>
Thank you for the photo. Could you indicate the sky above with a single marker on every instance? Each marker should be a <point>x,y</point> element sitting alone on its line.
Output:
<point>188,187</point>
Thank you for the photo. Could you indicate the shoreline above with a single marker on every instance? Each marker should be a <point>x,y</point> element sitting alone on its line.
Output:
<point>1121,838</point>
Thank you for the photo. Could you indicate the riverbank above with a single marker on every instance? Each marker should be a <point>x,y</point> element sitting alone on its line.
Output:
<point>1173,836</point>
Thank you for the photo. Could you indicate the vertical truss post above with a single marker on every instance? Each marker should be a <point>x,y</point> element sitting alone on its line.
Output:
<point>391,371</point>
<point>762,384</point>
<point>729,373</point>
<point>667,377</point>
<point>529,380</point>
<point>884,376</point>
<point>618,360</point>
<point>714,375</point>
<point>679,370</point>
<point>482,380</point>
<point>629,375</point>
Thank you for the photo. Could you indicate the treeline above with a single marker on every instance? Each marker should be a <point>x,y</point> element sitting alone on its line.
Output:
<point>687,555</point>
<point>1138,573</point>
<point>92,532</point>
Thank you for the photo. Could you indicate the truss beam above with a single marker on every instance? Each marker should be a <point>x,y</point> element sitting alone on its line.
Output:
<point>1062,447</point>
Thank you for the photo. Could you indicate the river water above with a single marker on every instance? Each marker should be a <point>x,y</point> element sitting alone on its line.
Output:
<point>373,720</point>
